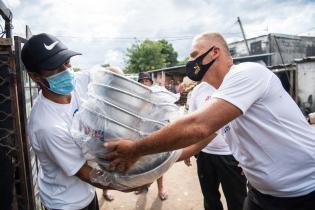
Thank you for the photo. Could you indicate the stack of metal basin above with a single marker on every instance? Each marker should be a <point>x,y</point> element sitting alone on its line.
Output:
<point>119,107</point>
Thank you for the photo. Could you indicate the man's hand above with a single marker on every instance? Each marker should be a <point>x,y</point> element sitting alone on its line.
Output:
<point>123,155</point>
<point>187,162</point>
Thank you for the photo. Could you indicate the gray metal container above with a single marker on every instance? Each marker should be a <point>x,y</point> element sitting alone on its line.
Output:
<point>120,82</point>
<point>133,103</point>
<point>122,116</point>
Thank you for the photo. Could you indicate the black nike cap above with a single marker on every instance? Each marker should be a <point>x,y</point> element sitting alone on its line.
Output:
<point>45,52</point>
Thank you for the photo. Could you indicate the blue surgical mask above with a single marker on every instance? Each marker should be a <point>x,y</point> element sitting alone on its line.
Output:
<point>62,83</point>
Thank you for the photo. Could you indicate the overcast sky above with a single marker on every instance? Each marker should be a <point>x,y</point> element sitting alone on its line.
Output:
<point>102,30</point>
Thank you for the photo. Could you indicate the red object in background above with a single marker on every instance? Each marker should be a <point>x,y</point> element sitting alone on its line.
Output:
<point>180,88</point>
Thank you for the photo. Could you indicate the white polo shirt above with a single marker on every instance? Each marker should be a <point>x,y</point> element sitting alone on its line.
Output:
<point>59,155</point>
<point>272,141</point>
<point>200,95</point>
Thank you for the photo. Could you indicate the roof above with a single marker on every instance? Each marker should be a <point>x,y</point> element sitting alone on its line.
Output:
<point>305,59</point>
<point>281,67</point>
<point>253,56</point>
<point>175,69</point>
<point>278,35</point>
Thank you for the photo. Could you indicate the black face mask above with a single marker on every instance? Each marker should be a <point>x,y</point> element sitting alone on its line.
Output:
<point>195,70</point>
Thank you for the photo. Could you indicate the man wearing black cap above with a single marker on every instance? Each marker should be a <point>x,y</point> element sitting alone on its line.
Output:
<point>64,177</point>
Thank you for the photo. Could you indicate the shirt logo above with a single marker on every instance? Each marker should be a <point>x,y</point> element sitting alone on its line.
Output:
<point>197,69</point>
<point>226,129</point>
<point>75,111</point>
<point>207,98</point>
<point>51,46</point>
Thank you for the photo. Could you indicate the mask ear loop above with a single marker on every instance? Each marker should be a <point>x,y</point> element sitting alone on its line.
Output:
<point>41,83</point>
<point>201,57</point>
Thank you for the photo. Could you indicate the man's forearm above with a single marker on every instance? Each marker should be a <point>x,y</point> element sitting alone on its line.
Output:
<point>85,175</point>
<point>189,129</point>
<point>195,148</point>
<point>182,133</point>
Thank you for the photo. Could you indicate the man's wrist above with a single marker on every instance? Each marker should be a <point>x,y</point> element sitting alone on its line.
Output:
<point>137,148</point>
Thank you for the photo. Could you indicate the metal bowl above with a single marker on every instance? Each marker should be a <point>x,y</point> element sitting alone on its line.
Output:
<point>123,116</point>
<point>99,126</point>
<point>144,171</point>
<point>133,103</point>
<point>118,81</point>
<point>123,99</point>
<point>155,94</point>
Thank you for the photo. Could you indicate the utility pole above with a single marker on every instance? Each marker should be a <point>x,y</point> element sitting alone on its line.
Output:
<point>28,32</point>
<point>245,40</point>
<point>6,14</point>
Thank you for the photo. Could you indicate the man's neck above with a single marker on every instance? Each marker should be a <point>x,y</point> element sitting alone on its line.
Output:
<point>215,78</point>
<point>60,99</point>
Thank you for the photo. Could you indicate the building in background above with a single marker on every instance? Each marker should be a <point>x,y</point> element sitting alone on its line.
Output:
<point>273,49</point>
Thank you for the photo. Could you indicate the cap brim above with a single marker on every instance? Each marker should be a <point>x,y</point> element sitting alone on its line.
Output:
<point>149,78</point>
<point>58,59</point>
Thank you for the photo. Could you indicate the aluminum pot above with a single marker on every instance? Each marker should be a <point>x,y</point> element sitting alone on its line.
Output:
<point>133,103</point>
<point>144,171</point>
<point>99,126</point>
<point>156,95</point>
<point>123,99</point>
<point>122,116</point>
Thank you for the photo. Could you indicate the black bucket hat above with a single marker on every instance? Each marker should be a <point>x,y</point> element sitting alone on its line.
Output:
<point>144,75</point>
<point>45,52</point>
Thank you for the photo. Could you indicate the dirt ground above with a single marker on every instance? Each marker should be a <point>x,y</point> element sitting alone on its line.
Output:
<point>181,183</point>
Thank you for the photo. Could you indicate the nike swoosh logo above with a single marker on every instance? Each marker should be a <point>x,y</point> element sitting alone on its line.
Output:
<point>51,46</point>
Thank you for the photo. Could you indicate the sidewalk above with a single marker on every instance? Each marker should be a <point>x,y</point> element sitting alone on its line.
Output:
<point>181,183</point>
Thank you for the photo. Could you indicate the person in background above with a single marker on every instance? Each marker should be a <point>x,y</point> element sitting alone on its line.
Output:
<point>216,164</point>
<point>171,86</point>
<point>145,79</point>
<point>64,179</point>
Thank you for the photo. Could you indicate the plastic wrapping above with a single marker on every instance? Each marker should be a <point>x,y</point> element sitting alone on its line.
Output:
<point>118,107</point>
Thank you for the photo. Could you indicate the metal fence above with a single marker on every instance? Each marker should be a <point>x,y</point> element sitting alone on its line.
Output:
<point>19,165</point>
<point>27,91</point>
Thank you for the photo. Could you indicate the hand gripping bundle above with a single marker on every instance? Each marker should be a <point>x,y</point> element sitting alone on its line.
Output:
<point>119,107</point>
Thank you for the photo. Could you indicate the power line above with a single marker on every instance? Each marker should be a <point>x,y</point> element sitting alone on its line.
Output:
<point>141,38</point>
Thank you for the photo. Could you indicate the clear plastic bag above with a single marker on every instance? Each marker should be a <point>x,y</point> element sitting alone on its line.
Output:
<point>114,110</point>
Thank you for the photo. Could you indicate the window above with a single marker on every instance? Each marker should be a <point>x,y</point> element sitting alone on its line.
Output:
<point>255,48</point>
<point>233,51</point>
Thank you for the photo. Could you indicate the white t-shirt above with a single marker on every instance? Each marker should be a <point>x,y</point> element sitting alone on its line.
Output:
<point>272,141</point>
<point>59,155</point>
<point>200,95</point>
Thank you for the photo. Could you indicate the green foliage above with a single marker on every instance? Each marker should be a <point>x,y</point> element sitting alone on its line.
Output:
<point>76,69</point>
<point>150,55</point>
<point>183,62</point>
<point>105,65</point>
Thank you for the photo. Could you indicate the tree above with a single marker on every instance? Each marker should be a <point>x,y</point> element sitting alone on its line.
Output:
<point>183,62</point>
<point>169,52</point>
<point>76,69</point>
<point>150,55</point>
<point>105,65</point>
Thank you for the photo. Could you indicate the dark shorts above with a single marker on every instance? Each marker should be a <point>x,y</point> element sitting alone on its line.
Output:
<point>92,206</point>
<point>255,200</point>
